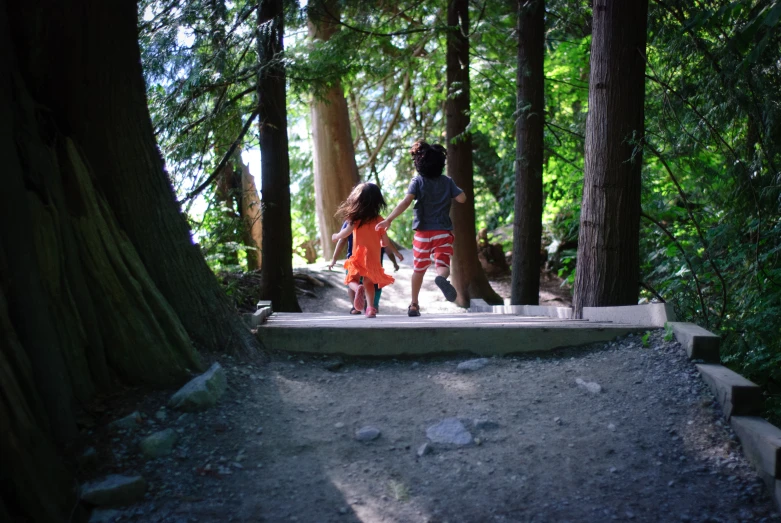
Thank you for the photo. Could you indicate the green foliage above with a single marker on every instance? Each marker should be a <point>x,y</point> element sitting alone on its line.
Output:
<point>711,233</point>
<point>668,332</point>
<point>645,339</point>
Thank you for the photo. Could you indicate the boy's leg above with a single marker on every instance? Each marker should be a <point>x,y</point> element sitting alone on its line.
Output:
<point>377,294</point>
<point>443,271</point>
<point>442,251</point>
<point>417,282</point>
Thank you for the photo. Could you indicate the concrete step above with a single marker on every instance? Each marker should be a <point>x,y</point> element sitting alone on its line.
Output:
<point>396,335</point>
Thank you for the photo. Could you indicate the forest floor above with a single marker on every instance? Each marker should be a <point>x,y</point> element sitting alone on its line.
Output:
<point>281,445</point>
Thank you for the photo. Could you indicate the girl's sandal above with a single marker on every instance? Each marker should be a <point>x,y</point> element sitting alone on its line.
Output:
<point>413,310</point>
<point>371,312</point>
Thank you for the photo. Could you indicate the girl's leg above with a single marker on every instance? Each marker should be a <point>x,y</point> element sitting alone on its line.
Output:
<point>368,286</point>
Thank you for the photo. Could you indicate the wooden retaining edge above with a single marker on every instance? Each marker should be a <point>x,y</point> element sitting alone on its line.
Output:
<point>739,399</point>
<point>737,395</point>
<point>699,343</point>
<point>762,442</point>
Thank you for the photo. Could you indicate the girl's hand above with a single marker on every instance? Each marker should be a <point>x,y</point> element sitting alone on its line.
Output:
<point>400,257</point>
<point>384,224</point>
<point>331,265</point>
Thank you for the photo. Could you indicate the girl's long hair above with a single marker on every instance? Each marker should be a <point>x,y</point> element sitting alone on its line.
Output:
<point>363,205</point>
<point>429,159</point>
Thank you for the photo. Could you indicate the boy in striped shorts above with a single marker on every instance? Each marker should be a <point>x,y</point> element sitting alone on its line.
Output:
<point>433,240</point>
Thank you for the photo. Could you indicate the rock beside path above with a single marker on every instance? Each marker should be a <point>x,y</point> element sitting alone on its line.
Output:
<point>202,392</point>
<point>113,490</point>
<point>367,433</point>
<point>472,365</point>
<point>129,422</point>
<point>159,444</point>
<point>591,386</point>
<point>449,431</point>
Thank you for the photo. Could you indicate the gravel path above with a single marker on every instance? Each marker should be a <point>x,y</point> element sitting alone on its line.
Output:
<point>623,431</point>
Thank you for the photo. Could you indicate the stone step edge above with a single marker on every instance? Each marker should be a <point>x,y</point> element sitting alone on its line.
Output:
<point>748,434</point>
<point>652,315</point>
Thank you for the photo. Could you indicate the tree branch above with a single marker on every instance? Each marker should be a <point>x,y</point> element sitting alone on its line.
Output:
<point>682,194</point>
<point>685,257</point>
<point>195,192</point>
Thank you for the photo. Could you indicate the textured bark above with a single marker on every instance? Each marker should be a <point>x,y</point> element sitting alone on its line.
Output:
<point>336,172</point>
<point>467,274</point>
<point>276,281</point>
<point>85,214</point>
<point>231,229</point>
<point>608,265</point>
<point>250,214</point>
<point>93,84</point>
<point>529,133</point>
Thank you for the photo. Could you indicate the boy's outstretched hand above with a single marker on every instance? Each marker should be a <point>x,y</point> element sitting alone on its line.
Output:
<point>384,224</point>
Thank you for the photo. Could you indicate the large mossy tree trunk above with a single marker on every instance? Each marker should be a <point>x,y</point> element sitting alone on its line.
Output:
<point>100,283</point>
<point>336,172</point>
<point>608,267</point>
<point>276,278</point>
<point>95,86</point>
<point>529,148</point>
<point>468,276</point>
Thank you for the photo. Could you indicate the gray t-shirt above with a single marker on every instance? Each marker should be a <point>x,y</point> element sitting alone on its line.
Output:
<point>432,202</point>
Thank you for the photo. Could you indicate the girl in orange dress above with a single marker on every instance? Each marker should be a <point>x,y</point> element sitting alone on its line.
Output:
<point>362,211</point>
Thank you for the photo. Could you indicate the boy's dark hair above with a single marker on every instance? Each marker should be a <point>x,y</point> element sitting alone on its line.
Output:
<point>364,204</point>
<point>429,159</point>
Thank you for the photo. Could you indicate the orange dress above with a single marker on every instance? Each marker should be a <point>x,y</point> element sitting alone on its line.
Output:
<point>365,260</point>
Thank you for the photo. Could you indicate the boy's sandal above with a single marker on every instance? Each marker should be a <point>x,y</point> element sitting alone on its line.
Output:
<point>413,310</point>
<point>354,311</point>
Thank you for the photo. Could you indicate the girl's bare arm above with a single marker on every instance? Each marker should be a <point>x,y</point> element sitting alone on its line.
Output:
<point>337,250</point>
<point>389,245</point>
<point>344,233</point>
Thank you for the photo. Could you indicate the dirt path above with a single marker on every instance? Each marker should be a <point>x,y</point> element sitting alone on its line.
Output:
<point>395,298</point>
<point>281,445</point>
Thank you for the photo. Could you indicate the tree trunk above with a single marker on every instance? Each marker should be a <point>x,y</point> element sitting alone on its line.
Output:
<point>467,274</point>
<point>229,232</point>
<point>608,266</point>
<point>250,214</point>
<point>95,258</point>
<point>336,172</point>
<point>529,132</point>
<point>276,281</point>
<point>94,82</point>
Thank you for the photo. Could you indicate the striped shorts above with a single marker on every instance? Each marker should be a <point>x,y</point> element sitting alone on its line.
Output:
<point>428,246</point>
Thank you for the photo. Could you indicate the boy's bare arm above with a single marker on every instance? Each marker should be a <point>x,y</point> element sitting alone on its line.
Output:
<point>461,198</point>
<point>400,208</point>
